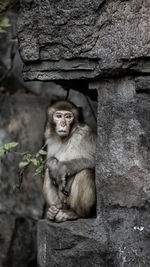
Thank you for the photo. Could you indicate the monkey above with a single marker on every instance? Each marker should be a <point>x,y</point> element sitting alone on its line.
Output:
<point>69,182</point>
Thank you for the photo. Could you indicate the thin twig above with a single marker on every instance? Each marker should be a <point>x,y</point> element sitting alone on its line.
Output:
<point>21,177</point>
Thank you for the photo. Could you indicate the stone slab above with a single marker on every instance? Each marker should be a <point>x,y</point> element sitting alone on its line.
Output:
<point>87,39</point>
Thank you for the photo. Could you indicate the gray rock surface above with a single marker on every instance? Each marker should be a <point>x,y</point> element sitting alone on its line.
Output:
<point>123,144</point>
<point>72,244</point>
<point>83,39</point>
<point>119,237</point>
<point>94,40</point>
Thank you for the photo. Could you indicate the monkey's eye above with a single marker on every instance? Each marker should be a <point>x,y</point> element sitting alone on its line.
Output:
<point>68,116</point>
<point>58,116</point>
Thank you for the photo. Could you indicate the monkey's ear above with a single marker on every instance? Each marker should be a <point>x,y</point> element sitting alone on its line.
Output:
<point>51,110</point>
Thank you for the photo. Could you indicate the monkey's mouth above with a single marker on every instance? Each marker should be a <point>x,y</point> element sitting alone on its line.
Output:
<point>63,133</point>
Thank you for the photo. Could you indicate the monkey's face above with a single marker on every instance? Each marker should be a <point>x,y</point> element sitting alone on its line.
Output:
<point>63,120</point>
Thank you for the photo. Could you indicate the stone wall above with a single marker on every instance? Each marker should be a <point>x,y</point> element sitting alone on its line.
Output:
<point>104,43</point>
<point>83,39</point>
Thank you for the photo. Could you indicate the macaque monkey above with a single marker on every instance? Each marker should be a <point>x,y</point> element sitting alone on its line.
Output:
<point>69,183</point>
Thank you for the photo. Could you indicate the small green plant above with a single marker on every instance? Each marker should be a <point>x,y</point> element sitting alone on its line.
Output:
<point>4,150</point>
<point>4,23</point>
<point>38,160</point>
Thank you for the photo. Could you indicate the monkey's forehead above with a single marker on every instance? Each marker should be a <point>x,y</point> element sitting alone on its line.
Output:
<point>63,111</point>
<point>66,108</point>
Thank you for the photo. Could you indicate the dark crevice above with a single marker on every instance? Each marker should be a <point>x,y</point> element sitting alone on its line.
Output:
<point>79,85</point>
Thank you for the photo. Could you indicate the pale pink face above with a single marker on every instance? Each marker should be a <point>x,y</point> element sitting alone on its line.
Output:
<point>63,120</point>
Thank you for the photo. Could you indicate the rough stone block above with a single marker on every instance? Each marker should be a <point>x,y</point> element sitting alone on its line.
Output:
<point>83,39</point>
<point>71,244</point>
<point>123,157</point>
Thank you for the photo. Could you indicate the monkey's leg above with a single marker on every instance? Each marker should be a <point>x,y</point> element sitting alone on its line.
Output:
<point>64,215</point>
<point>51,196</point>
<point>83,193</point>
<point>82,197</point>
<point>50,191</point>
<point>61,213</point>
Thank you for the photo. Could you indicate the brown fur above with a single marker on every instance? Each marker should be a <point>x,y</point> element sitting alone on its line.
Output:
<point>79,145</point>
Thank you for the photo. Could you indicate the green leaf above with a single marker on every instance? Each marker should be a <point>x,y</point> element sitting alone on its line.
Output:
<point>35,162</point>
<point>23,164</point>
<point>14,40</point>
<point>4,22</point>
<point>1,30</point>
<point>2,151</point>
<point>42,152</point>
<point>41,160</point>
<point>10,145</point>
<point>39,169</point>
<point>16,186</point>
<point>27,157</point>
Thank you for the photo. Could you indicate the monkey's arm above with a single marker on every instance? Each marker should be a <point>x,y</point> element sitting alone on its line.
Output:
<point>67,169</point>
<point>74,166</point>
<point>52,165</point>
<point>61,171</point>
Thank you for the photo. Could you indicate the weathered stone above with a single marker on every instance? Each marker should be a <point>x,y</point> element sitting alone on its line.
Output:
<point>117,238</point>
<point>78,40</point>
<point>72,244</point>
<point>128,234</point>
<point>123,140</point>
<point>93,40</point>
<point>22,248</point>
<point>7,226</point>
<point>142,84</point>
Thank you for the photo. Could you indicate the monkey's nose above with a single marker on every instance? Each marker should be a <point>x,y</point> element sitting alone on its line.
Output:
<point>63,123</point>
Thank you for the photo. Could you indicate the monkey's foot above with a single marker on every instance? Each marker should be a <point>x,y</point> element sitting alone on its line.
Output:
<point>64,215</point>
<point>52,212</point>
